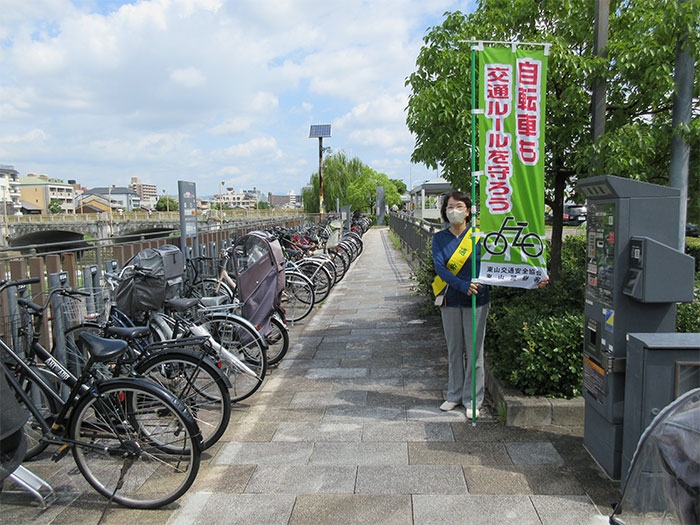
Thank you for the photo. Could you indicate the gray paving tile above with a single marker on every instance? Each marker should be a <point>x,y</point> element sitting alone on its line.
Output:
<point>366,384</point>
<point>411,479</point>
<point>570,510</point>
<point>541,453</point>
<point>335,373</point>
<point>359,454</point>
<point>364,414</point>
<point>264,454</point>
<point>307,479</point>
<point>272,414</point>
<point>345,432</point>
<point>352,509</point>
<point>235,509</point>
<point>325,399</point>
<point>459,453</point>
<point>496,480</point>
<point>474,510</point>
<point>403,431</point>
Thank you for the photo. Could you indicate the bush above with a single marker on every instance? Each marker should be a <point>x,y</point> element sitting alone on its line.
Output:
<point>548,364</point>
<point>534,338</point>
<point>688,314</point>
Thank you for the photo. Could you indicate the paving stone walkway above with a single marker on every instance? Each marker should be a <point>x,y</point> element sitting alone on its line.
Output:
<point>347,430</point>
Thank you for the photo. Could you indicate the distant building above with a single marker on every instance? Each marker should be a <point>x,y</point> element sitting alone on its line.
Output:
<point>117,197</point>
<point>236,199</point>
<point>40,190</point>
<point>148,193</point>
<point>9,190</point>
<point>283,201</point>
<point>426,198</point>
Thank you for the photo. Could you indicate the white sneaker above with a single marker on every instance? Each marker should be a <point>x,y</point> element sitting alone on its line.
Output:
<point>469,413</point>
<point>447,406</point>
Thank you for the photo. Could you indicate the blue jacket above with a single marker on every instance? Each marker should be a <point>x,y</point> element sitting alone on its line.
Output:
<point>444,245</point>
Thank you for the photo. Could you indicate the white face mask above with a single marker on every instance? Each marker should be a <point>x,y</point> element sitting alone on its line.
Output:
<point>456,216</point>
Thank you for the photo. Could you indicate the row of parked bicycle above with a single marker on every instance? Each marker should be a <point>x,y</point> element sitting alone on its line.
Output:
<point>146,378</point>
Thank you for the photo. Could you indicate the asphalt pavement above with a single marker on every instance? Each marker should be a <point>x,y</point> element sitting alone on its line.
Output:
<point>347,430</point>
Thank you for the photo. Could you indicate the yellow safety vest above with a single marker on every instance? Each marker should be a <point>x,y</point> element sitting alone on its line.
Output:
<point>456,261</point>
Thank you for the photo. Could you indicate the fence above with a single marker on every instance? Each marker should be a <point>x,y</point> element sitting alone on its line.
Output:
<point>83,266</point>
<point>415,234</point>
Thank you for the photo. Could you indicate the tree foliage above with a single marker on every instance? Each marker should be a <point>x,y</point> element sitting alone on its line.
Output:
<point>166,204</point>
<point>349,182</point>
<point>638,69</point>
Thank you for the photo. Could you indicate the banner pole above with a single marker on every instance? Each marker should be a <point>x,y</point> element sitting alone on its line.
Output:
<point>473,213</point>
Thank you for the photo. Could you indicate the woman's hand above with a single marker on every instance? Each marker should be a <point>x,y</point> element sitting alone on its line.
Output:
<point>473,288</point>
<point>543,283</point>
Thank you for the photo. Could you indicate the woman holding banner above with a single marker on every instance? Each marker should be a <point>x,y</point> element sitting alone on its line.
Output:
<point>453,288</point>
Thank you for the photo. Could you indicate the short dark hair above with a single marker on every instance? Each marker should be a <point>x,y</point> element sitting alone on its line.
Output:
<point>458,196</point>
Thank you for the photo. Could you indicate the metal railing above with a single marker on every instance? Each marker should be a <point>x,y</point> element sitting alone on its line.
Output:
<point>415,234</point>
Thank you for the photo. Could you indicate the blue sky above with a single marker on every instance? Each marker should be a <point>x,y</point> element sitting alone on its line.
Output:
<point>208,91</point>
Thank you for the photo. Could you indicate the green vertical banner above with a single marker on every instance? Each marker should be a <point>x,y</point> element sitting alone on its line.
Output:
<point>512,96</point>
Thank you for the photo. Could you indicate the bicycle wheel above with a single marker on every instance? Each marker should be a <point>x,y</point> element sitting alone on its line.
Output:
<point>319,276</point>
<point>298,297</point>
<point>135,443</point>
<point>198,383</point>
<point>245,346</point>
<point>340,263</point>
<point>277,341</point>
<point>212,288</point>
<point>46,404</point>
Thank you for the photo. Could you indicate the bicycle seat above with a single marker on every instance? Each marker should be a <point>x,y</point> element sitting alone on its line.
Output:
<point>102,349</point>
<point>128,332</point>
<point>182,304</point>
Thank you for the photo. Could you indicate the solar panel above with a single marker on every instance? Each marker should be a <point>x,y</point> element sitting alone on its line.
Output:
<point>319,130</point>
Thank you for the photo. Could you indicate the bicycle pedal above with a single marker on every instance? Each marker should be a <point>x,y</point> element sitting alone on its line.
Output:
<point>60,453</point>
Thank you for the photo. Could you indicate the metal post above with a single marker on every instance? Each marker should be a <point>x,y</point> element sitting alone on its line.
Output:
<point>681,116</point>
<point>221,205</point>
<point>320,175</point>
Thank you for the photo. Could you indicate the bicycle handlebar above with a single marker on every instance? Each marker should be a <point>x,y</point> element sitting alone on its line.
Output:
<point>5,283</point>
<point>38,309</point>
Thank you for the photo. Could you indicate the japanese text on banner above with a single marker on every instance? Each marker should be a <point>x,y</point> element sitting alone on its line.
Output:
<point>511,143</point>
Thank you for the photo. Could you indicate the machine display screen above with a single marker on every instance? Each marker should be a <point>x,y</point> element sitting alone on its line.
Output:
<point>600,252</point>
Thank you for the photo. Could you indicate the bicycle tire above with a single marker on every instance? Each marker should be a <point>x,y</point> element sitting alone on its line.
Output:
<point>340,263</point>
<point>319,276</point>
<point>197,382</point>
<point>277,341</point>
<point>135,443</point>
<point>46,405</point>
<point>238,336</point>
<point>189,375</point>
<point>298,297</point>
<point>208,288</point>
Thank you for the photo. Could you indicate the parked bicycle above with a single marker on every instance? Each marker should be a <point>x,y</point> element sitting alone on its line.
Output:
<point>133,441</point>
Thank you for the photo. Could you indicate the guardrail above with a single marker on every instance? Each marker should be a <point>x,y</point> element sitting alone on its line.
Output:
<point>415,234</point>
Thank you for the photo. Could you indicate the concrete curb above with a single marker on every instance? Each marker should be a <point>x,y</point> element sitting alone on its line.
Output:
<point>532,411</point>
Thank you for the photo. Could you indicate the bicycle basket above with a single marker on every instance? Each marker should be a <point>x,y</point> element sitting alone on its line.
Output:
<point>152,276</point>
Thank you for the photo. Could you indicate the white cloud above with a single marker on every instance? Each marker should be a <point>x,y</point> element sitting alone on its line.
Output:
<point>208,87</point>
<point>188,77</point>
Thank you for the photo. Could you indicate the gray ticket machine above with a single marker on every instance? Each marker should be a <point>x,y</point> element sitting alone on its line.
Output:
<point>634,277</point>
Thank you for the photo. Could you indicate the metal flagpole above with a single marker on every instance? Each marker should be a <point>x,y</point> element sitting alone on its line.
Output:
<point>473,211</point>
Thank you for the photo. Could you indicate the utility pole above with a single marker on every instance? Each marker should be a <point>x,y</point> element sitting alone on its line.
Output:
<point>598,102</point>
<point>680,120</point>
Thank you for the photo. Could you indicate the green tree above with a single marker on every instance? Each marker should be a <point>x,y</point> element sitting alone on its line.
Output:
<point>340,174</point>
<point>641,54</point>
<point>55,206</point>
<point>166,204</point>
<point>400,186</point>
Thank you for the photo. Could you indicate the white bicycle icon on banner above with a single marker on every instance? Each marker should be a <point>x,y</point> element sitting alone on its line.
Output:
<point>511,236</point>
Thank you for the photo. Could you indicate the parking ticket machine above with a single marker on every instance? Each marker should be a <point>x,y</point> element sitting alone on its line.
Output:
<point>634,277</point>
